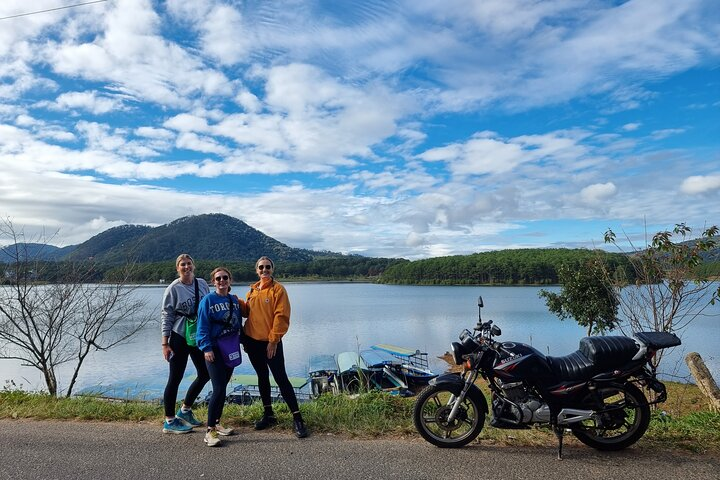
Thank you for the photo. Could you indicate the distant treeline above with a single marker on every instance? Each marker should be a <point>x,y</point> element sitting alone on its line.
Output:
<point>709,270</point>
<point>337,268</point>
<point>504,267</point>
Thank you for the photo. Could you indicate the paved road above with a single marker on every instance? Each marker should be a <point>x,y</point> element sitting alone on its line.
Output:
<point>80,450</point>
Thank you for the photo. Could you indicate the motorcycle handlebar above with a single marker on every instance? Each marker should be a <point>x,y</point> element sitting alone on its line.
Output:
<point>482,326</point>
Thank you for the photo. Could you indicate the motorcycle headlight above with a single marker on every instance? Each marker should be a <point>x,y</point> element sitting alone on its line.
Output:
<point>469,343</point>
<point>457,352</point>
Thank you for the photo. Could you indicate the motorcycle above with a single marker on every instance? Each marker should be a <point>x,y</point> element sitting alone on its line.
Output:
<point>594,392</point>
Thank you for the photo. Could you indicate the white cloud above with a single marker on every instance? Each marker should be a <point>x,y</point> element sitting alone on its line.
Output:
<point>487,153</point>
<point>186,122</point>
<point>89,101</point>
<point>336,126</point>
<point>224,35</point>
<point>131,54</point>
<point>248,101</point>
<point>156,133</point>
<point>631,127</point>
<point>192,141</point>
<point>665,133</point>
<point>700,184</point>
<point>597,193</point>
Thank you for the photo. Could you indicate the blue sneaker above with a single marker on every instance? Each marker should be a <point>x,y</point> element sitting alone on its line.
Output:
<point>176,426</point>
<point>188,418</point>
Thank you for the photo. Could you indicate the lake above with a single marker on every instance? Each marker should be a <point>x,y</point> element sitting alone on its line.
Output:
<point>336,317</point>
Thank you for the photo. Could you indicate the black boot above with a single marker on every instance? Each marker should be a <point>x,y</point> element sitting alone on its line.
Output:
<point>300,429</point>
<point>265,422</point>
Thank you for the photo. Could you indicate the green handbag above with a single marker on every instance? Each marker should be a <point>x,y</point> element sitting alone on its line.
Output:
<point>191,320</point>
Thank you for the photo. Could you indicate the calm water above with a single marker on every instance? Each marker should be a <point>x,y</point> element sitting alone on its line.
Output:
<point>331,318</point>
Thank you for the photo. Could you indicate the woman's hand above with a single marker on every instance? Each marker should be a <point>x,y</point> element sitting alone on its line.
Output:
<point>271,349</point>
<point>167,352</point>
<point>209,356</point>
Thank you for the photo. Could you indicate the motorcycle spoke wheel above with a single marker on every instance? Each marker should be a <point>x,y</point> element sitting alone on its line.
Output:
<point>432,410</point>
<point>623,420</point>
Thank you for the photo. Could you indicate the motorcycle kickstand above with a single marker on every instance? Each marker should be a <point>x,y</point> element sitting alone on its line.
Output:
<point>559,434</point>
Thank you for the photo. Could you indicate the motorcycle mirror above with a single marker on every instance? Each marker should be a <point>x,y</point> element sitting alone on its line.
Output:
<point>480,302</point>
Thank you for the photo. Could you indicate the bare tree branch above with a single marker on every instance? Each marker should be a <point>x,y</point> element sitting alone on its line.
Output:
<point>45,325</point>
<point>667,294</point>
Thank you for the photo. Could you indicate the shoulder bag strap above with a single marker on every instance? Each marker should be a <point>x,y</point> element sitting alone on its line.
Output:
<point>228,322</point>
<point>197,299</point>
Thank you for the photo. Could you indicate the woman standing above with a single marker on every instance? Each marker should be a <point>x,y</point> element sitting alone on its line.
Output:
<point>219,314</point>
<point>268,320</point>
<point>179,306</point>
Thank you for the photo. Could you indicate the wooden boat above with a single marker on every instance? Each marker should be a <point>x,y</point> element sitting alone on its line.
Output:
<point>353,372</point>
<point>245,389</point>
<point>323,372</point>
<point>413,366</point>
<point>383,374</point>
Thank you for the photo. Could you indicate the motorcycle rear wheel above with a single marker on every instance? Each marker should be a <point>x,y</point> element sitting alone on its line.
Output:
<point>624,422</point>
<point>431,411</point>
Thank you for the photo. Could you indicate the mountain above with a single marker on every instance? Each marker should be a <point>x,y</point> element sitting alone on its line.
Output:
<point>35,251</point>
<point>205,237</point>
<point>110,244</point>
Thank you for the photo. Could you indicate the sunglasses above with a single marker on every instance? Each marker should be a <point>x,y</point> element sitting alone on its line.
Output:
<point>222,277</point>
<point>266,267</point>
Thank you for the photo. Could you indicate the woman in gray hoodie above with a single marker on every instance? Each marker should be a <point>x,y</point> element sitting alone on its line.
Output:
<point>179,307</point>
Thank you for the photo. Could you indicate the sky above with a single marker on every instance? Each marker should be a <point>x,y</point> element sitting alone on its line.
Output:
<point>385,128</point>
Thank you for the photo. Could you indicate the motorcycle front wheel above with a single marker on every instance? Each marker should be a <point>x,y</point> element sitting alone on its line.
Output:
<point>623,420</point>
<point>431,412</point>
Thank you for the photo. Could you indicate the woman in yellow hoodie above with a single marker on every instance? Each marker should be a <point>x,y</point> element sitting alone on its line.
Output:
<point>268,320</point>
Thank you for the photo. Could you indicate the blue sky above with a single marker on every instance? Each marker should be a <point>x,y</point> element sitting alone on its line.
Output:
<point>386,128</point>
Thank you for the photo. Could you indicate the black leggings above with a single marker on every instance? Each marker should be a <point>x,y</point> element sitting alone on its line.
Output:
<point>257,353</point>
<point>178,362</point>
<point>220,375</point>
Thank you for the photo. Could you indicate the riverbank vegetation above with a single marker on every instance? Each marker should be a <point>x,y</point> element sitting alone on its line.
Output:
<point>684,422</point>
<point>532,266</point>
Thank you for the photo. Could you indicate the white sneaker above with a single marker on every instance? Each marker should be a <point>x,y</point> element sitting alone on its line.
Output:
<point>224,431</point>
<point>211,438</point>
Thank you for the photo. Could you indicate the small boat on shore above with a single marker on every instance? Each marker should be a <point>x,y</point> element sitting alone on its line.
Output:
<point>244,389</point>
<point>353,372</point>
<point>382,374</point>
<point>385,367</point>
<point>412,366</point>
<point>323,372</point>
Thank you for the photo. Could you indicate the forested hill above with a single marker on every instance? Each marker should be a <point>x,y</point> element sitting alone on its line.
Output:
<point>503,267</point>
<point>208,236</point>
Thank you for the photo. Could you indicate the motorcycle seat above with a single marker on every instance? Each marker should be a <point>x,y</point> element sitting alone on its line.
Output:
<point>595,355</point>
<point>607,352</point>
<point>575,366</point>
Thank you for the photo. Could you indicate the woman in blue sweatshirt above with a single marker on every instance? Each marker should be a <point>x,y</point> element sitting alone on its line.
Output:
<point>218,313</point>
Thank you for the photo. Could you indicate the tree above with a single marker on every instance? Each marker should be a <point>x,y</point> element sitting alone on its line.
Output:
<point>48,325</point>
<point>584,296</point>
<point>668,292</point>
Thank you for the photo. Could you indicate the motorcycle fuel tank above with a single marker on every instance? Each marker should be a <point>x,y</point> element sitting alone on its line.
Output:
<point>519,361</point>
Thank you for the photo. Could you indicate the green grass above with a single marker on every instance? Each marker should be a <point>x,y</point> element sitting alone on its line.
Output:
<point>686,423</point>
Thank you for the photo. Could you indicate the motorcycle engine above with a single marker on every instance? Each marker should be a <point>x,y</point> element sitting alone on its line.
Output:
<point>519,405</point>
